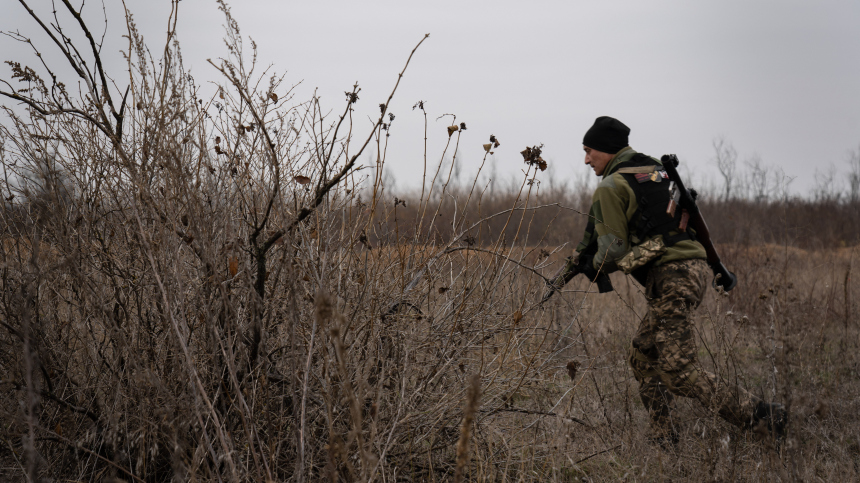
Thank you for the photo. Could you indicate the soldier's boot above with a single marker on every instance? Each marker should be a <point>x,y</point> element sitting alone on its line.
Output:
<point>771,417</point>
<point>659,402</point>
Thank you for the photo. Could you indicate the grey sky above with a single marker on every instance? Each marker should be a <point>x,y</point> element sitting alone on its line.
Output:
<point>776,78</point>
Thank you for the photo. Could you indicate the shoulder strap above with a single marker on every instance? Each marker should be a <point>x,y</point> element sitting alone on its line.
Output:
<point>638,163</point>
<point>636,169</point>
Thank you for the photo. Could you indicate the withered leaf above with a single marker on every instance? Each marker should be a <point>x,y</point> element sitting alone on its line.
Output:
<point>487,147</point>
<point>531,156</point>
<point>443,289</point>
<point>217,139</point>
<point>273,96</point>
<point>518,316</point>
<point>218,150</point>
<point>452,130</point>
<point>233,266</point>
<point>541,164</point>
<point>362,238</point>
<point>572,366</point>
<point>302,179</point>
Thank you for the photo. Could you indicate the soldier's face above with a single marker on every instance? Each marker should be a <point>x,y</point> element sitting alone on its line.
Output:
<point>596,159</point>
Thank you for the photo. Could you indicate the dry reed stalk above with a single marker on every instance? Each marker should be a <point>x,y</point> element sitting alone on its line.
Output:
<point>473,397</point>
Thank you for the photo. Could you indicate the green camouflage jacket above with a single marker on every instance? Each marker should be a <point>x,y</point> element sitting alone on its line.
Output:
<point>612,208</point>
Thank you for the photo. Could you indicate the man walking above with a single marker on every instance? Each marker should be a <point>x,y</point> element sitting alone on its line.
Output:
<point>634,232</point>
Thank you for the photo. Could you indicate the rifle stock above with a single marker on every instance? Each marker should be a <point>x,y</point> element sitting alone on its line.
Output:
<point>722,275</point>
<point>565,274</point>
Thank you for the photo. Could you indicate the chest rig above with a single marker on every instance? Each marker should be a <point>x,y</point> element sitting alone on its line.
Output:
<point>651,186</point>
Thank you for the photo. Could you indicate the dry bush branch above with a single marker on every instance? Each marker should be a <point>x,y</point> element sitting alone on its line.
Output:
<point>196,290</point>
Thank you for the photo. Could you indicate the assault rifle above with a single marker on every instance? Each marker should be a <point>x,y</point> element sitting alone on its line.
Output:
<point>574,266</point>
<point>686,200</point>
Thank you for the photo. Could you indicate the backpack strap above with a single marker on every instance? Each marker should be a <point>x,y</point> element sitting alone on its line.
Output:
<point>652,197</point>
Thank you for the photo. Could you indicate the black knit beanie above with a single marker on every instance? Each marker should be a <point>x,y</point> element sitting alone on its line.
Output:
<point>608,135</point>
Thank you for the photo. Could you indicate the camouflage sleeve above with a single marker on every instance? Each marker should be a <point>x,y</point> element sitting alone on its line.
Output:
<point>589,235</point>
<point>611,207</point>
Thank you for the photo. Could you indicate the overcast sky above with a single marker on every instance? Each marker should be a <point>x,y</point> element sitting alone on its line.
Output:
<point>778,79</point>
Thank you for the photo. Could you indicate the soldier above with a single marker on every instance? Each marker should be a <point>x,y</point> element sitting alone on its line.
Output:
<point>629,224</point>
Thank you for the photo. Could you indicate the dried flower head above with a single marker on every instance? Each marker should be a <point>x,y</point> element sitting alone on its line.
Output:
<point>531,156</point>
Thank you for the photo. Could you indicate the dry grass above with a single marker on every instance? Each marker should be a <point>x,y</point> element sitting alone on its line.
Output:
<point>173,311</point>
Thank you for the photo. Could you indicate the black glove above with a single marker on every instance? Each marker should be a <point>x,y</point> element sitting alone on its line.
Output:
<point>600,278</point>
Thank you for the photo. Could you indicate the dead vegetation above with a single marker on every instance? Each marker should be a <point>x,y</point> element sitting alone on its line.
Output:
<point>206,288</point>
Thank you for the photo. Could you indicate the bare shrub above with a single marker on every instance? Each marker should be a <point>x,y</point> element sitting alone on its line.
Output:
<point>213,292</point>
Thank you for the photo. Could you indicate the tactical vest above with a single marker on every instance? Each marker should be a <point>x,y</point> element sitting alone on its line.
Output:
<point>650,185</point>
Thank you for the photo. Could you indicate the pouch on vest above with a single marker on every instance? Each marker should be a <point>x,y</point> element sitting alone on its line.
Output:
<point>642,254</point>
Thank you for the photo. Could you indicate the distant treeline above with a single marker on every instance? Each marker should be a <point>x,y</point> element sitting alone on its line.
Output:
<point>809,223</point>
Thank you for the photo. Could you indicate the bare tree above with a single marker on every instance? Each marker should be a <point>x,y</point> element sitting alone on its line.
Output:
<point>726,159</point>
<point>825,181</point>
<point>853,177</point>
<point>759,179</point>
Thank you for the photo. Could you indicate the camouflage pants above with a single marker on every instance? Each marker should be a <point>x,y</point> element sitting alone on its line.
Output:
<point>663,355</point>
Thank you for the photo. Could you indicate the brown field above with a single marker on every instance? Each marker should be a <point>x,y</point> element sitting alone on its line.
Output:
<point>788,333</point>
<point>214,290</point>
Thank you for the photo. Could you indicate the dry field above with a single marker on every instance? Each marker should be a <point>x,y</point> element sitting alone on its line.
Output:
<point>117,396</point>
<point>214,289</point>
<point>787,333</point>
